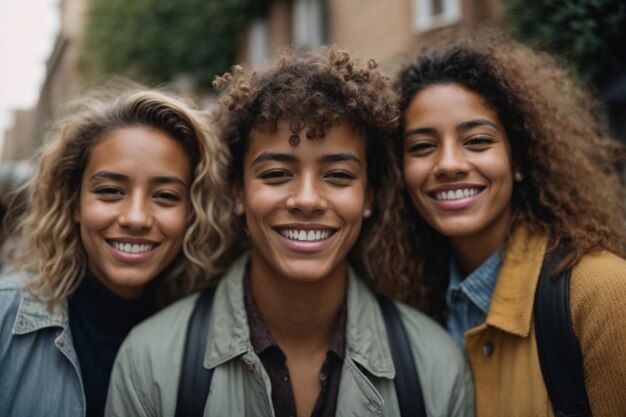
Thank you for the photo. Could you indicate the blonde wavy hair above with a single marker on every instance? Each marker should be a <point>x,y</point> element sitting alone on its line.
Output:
<point>53,250</point>
<point>571,190</point>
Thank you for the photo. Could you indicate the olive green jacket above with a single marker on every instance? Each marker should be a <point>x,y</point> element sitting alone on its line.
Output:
<point>146,373</point>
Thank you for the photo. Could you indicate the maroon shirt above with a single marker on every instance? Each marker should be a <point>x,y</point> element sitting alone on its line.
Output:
<point>274,362</point>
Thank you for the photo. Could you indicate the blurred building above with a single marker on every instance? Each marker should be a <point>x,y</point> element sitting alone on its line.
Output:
<point>383,30</point>
<point>62,81</point>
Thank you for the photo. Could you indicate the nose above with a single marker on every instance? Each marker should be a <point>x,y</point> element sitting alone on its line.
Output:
<point>451,162</point>
<point>307,195</point>
<point>135,213</point>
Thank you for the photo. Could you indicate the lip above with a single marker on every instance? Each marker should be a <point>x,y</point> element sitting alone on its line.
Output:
<point>132,257</point>
<point>301,246</point>
<point>460,204</point>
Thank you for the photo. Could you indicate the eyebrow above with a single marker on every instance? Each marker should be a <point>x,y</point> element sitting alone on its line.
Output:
<point>285,157</point>
<point>475,123</point>
<point>340,157</point>
<point>462,126</point>
<point>114,176</point>
<point>419,130</point>
<point>274,156</point>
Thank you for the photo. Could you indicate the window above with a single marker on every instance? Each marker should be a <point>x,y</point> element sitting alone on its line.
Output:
<point>308,23</point>
<point>258,42</point>
<point>432,14</point>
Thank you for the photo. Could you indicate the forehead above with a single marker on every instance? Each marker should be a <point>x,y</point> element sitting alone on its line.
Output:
<point>138,149</point>
<point>338,139</point>
<point>448,103</point>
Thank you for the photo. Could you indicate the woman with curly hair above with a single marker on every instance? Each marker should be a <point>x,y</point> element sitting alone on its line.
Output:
<point>125,215</point>
<point>505,161</point>
<point>294,330</point>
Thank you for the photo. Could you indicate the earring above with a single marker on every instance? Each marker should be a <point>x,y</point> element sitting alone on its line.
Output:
<point>517,176</point>
<point>239,209</point>
<point>367,213</point>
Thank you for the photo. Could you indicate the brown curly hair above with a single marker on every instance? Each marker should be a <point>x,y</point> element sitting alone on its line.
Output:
<point>571,189</point>
<point>315,91</point>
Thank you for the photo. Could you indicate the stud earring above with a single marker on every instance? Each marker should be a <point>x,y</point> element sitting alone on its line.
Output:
<point>367,213</point>
<point>239,209</point>
<point>517,176</point>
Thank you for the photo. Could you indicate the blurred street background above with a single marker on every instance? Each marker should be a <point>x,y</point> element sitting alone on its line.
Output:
<point>53,49</point>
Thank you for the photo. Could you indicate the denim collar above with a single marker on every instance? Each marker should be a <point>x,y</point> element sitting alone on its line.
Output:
<point>479,285</point>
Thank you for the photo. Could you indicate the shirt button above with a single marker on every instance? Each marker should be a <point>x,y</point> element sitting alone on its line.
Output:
<point>286,378</point>
<point>322,376</point>
<point>249,367</point>
<point>488,348</point>
<point>456,295</point>
<point>61,342</point>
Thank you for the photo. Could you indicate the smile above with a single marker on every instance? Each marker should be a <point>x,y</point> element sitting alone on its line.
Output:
<point>132,247</point>
<point>305,235</point>
<point>459,194</point>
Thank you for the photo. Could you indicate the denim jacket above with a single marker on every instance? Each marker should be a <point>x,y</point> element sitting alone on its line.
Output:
<point>39,371</point>
<point>145,376</point>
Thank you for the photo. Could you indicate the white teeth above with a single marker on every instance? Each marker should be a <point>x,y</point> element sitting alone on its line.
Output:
<point>134,248</point>
<point>456,194</point>
<point>305,236</point>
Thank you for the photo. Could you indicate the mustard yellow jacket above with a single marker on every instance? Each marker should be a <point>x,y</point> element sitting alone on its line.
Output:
<point>503,350</point>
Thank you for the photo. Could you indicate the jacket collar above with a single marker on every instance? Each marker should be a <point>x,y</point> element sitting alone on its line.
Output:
<point>229,334</point>
<point>32,314</point>
<point>512,302</point>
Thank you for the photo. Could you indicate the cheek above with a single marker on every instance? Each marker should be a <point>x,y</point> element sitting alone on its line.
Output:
<point>174,223</point>
<point>414,174</point>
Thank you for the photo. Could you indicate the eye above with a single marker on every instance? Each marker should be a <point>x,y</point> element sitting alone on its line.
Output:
<point>340,176</point>
<point>167,196</point>
<point>479,142</point>
<point>421,148</point>
<point>275,175</point>
<point>109,193</point>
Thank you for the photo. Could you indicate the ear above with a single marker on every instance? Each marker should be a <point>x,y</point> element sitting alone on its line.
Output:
<point>369,203</point>
<point>76,212</point>
<point>238,196</point>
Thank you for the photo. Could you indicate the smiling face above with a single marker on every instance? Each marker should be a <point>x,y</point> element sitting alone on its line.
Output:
<point>133,207</point>
<point>303,204</point>
<point>457,165</point>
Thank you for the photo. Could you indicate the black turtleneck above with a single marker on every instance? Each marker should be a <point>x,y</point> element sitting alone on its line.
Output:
<point>99,322</point>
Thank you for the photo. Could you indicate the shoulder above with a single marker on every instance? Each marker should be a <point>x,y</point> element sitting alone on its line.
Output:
<point>167,324</point>
<point>597,294</point>
<point>12,291</point>
<point>598,279</point>
<point>430,338</point>
<point>443,370</point>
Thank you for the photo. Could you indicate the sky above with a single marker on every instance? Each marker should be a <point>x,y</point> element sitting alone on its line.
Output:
<point>27,32</point>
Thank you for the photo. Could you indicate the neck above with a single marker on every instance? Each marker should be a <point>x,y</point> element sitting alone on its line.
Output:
<point>472,251</point>
<point>301,316</point>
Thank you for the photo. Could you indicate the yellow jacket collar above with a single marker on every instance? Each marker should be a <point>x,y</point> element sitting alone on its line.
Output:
<point>511,305</point>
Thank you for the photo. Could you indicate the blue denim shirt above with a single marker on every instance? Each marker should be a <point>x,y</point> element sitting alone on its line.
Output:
<point>468,298</point>
<point>39,371</point>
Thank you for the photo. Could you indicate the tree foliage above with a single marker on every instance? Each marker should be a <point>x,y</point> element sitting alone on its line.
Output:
<point>159,40</point>
<point>588,33</point>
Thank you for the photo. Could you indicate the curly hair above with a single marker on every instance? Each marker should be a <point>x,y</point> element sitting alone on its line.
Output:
<point>315,91</point>
<point>571,188</point>
<point>53,249</point>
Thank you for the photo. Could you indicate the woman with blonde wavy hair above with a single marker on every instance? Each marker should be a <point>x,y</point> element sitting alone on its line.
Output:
<point>125,215</point>
<point>506,164</point>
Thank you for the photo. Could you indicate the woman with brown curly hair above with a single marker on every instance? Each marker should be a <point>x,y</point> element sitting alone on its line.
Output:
<point>125,216</point>
<point>505,161</point>
<point>294,330</point>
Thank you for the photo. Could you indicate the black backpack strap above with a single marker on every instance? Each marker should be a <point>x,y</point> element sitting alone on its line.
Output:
<point>195,380</point>
<point>559,352</point>
<point>407,383</point>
